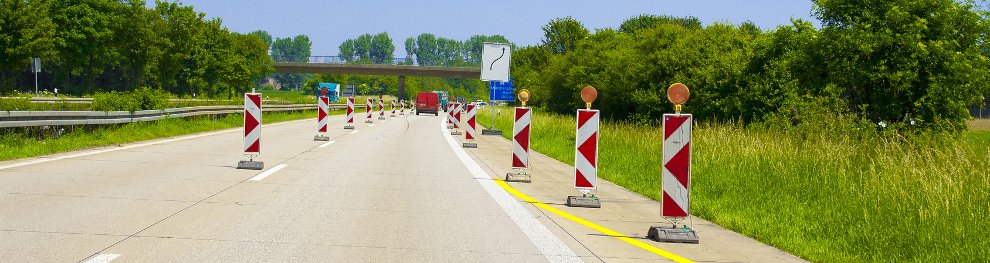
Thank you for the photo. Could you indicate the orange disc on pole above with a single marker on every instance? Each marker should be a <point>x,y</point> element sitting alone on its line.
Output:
<point>323,91</point>
<point>678,93</point>
<point>589,94</point>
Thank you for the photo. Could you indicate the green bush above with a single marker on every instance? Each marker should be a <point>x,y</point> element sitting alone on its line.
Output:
<point>140,99</point>
<point>15,104</point>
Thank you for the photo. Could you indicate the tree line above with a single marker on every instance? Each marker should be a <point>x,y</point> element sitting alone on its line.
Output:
<point>89,46</point>
<point>904,63</point>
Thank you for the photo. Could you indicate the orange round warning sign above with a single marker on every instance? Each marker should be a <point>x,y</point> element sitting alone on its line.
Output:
<point>323,91</point>
<point>589,94</point>
<point>678,93</point>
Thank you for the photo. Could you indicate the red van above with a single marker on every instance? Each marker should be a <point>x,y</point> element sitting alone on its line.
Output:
<point>427,102</point>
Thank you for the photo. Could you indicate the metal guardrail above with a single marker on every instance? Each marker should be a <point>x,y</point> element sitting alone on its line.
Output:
<point>14,119</point>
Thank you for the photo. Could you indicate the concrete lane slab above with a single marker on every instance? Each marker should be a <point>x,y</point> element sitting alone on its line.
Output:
<point>51,247</point>
<point>87,215</point>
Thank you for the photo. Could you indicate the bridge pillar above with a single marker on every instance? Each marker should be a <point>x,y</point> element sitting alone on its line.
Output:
<point>402,88</point>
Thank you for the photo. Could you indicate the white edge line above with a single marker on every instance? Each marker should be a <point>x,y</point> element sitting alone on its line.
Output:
<point>127,147</point>
<point>327,144</point>
<point>353,132</point>
<point>268,172</point>
<point>102,258</point>
<point>371,125</point>
<point>549,245</point>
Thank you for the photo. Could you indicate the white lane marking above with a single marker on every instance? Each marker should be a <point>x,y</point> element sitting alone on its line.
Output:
<point>326,144</point>
<point>102,258</point>
<point>127,147</point>
<point>372,125</point>
<point>549,245</point>
<point>355,131</point>
<point>268,172</point>
<point>383,121</point>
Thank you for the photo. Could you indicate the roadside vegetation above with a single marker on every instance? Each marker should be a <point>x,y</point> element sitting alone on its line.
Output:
<point>39,141</point>
<point>852,196</point>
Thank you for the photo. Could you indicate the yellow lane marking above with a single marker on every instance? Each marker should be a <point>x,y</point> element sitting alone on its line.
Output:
<point>596,227</point>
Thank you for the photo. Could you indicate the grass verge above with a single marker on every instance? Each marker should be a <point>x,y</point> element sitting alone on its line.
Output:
<point>823,198</point>
<point>24,143</point>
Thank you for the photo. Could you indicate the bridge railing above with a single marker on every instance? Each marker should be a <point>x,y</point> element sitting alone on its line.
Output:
<point>344,60</point>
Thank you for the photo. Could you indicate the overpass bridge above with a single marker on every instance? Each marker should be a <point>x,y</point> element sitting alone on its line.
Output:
<point>395,67</point>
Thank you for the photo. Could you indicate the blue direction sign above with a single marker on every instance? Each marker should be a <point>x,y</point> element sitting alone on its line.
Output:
<point>501,91</point>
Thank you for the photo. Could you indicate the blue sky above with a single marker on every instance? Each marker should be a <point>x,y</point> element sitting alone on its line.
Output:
<point>328,23</point>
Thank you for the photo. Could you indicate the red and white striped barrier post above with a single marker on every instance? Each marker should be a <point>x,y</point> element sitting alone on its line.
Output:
<point>322,118</point>
<point>393,109</point>
<point>456,118</point>
<point>381,108</point>
<point>520,141</point>
<point>450,115</point>
<point>586,153</point>
<point>252,132</point>
<point>676,177</point>
<point>469,130</point>
<point>350,114</point>
<point>402,107</point>
<point>367,108</point>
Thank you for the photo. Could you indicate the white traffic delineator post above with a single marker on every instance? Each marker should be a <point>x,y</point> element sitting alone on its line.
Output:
<point>322,117</point>
<point>350,114</point>
<point>469,131</point>
<point>586,153</point>
<point>456,116</point>
<point>393,109</point>
<point>252,132</point>
<point>402,107</point>
<point>676,178</point>
<point>520,145</point>
<point>367,108</point>
<point>381,109</point>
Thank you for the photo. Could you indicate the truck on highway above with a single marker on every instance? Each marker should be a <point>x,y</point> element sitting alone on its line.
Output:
<point>428,102</point>
<point>333,91</point>
<point>443,99</point>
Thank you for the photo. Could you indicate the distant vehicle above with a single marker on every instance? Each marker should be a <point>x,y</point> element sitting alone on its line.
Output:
<point>427,102</point>
<point>443,99</point>
<point>333,91</point>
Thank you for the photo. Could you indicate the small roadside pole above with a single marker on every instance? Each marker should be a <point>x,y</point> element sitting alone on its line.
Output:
<point>252,132</point>
<point>469,134</point>
<point>450,115</point>
<point>520,141</point>
<point>455,114</point>
<point>322,116</point>
<point>36,68</point>
<point>381,108</point>
<point>393,109</point>
<point>586,153</point>
<point>676,177</point>
<point>350,114</point>
<point>367,108</point>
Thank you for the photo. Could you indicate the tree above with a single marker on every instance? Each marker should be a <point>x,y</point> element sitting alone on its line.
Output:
<point>562,35</point>
<point>296,49</point>
<point>410,50</point>
<point>264,36</point>
<point>901,59</point>
<point>382,49</point>
<point>27,31</point>
<point>651,21</point>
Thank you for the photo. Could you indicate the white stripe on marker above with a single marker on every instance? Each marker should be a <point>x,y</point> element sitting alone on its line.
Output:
<point>102,258</point>
<point>268,172</point>
<point>326,144</point>
<point>353,132</point>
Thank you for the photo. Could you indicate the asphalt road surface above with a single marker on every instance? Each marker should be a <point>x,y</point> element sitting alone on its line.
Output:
<point>400,190</point>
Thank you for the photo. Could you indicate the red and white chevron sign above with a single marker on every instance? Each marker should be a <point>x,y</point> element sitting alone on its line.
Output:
<point>402,107</point>
<point>393,108</point>
<point>520,137</point>
<point>457,115</point>
<point>252,123</point>
<point>381,108</point>
<point>450,114</point>
<point>368,107</point>
<point>676,165</point>
<point>472,111</point>
<point>350,110</point>
<point>321,114</point>
<point>586,150</point>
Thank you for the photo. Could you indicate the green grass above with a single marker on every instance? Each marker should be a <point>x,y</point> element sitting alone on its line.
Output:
<point>824,198</point>
<point>23,143</point>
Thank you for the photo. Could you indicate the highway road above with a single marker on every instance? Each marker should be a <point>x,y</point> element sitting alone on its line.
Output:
<point>400,190</point>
